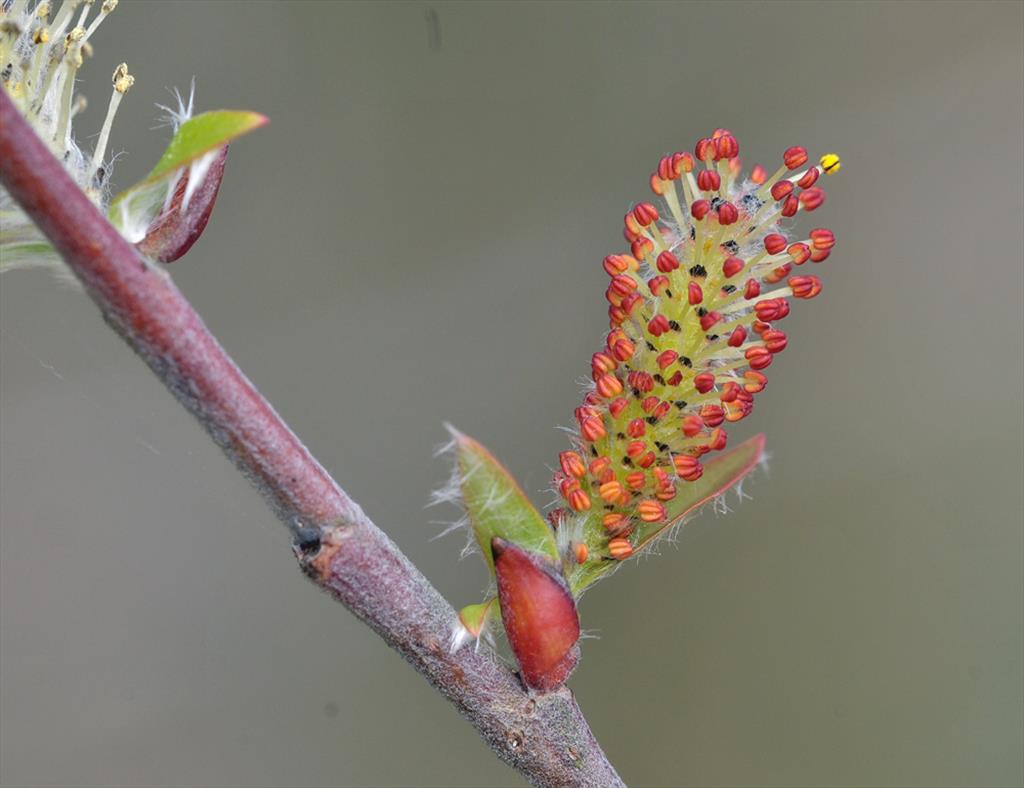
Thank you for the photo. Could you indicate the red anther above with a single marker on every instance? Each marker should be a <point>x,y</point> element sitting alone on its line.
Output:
<point>658,325</point>
<point>782,190</point>
<point>732,266</point>
<point>666,491</point>
<point>726,147</point>
<point>580,551</point>
<point>579,500</point>
<point>641,247</point>
<point>708,181</point>
<point>736,411</point>
<point>632,228</point>
<point>790,206</point>
<point>648,404</point>
<point>712,415</point>
<point>812,198</point>
<point>692,425</point>
<point>800,253</point>
<point>708,320</point>
<point>778,274</point>
<point>650,511</point>
<point>758,174</point>
<point>774,243</point>
<point>688,468</point>
<point>591,398</point>
<point>601,363</point>
<point>704,382</point>
<point>592,429</point>
<point>598,466</point>
<point>656,184</point>
<point>645,213</point>
<point>609,386</point>
<point>719,132</point>
<point>614,336</point>
<point>647,460</point>
<point>613,521</point>
<point>774,340</point>
<point>616,315</point>
<point>760,328</point>
<point>772,309</point>
<point>755,381</point>
<point>794,157</point>
<point>619,264</point>
<point>666,169</point>
<point>630,302</point>
<point>572,464</point>
<point>705,149</point>
<point>667,358</point>
<point>635,448</point>
<point>809,178</point>
<point>612,296</point>
<point>694,293</point>
<point>616,406</point>
<point>718,439</point>
<point>660,474</point>
<point>730,391</point>
<point>683,162</point>
<point>699,209</point>
<point>822,239</point>
<point>727,213</point>
<point>623,350</point>
<point>820,255</point>
<point>661,410</point>
<point>640,380</point>
<point>758,357</point>
<point>676,379</point>
<point>805,286</point>
<point>657,284</point>
<point>583,412</point>
<point>636,428</point>
<point>738,336</point>
<point>667,262</point>
<point>619,548</point>
<point>752,289</point>
<point>610,491</point>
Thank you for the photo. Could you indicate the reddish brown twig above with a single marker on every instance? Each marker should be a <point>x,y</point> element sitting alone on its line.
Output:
<point>546,736</point>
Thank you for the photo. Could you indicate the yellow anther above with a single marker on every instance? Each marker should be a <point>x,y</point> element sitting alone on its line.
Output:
<point>122,79</point>
<point>830,163</point>
<point>108,6</point>
<point>41,36</point>
<point>72,38</point>
<point>43,10</point>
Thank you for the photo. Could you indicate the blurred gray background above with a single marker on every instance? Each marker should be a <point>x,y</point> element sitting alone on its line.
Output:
<point>417,238</point>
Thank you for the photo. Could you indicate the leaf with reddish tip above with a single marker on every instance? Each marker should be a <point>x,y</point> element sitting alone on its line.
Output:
<point>723,472</point>
<point>539,615</point>
<point>475,618</point>
<point>496,505</point>
<point>166,213</point>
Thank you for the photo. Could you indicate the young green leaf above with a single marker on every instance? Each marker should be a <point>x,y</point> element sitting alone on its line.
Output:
<point>495,504</point>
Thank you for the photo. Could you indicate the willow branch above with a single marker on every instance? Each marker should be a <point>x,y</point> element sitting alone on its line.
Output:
<point>545,737</point>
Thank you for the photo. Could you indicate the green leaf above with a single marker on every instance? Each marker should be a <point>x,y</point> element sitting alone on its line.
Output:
<point>495,504</point>
<point>475,618</point>
<point>204,133</point>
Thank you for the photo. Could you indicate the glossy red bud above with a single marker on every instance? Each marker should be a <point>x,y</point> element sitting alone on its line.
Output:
<point>538,613</point>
